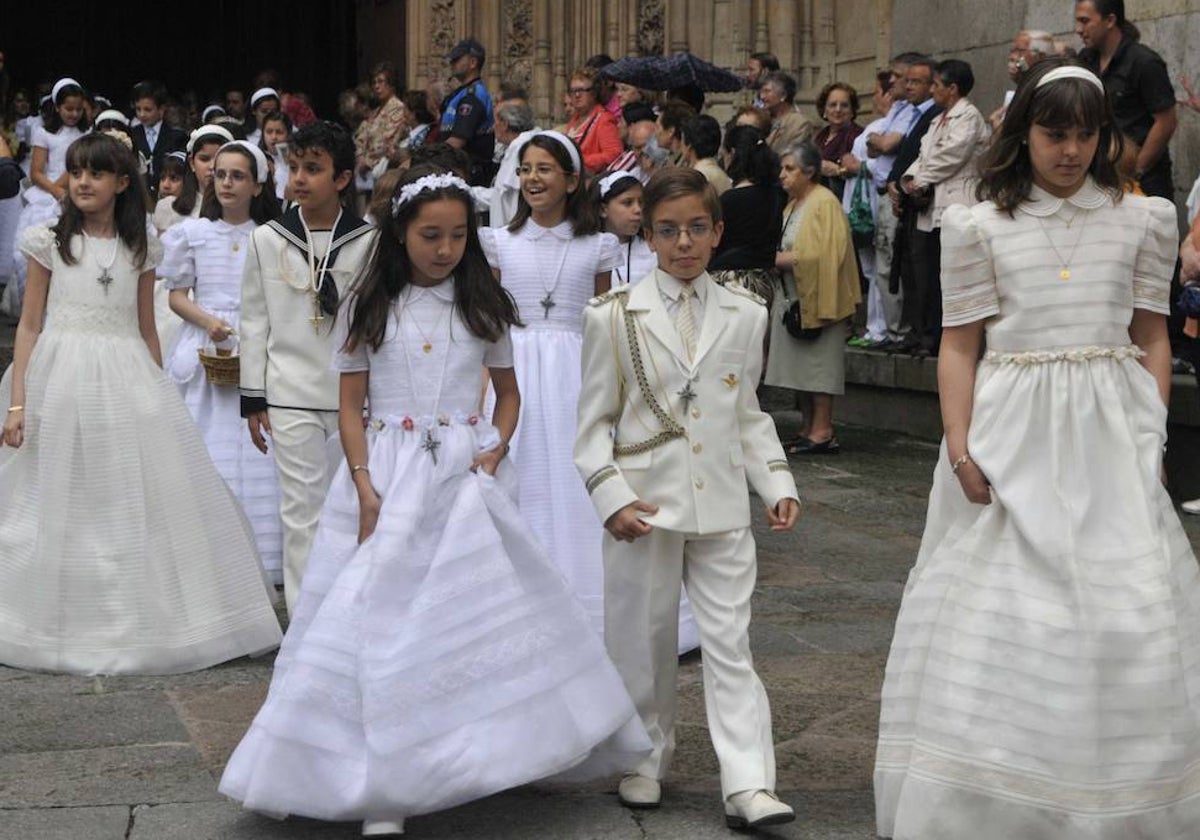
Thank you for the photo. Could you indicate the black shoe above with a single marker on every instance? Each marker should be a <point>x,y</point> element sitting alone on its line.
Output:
<point>825,447</point>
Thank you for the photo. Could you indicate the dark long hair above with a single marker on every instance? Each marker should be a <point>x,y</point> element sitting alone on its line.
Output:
<point>263,207</point>
<point>583,214</point>
<point>185,202</point>
<point>750,158</point>
<point>101,153</point>
<point>1006,171</point>
<point>484,304</point>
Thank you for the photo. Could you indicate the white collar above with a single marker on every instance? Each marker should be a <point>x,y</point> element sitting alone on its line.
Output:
<point>1089,196</point>
<point>155,127</point>
<point>562,231</point>
<point>670,287</point>
<point>443,291</point>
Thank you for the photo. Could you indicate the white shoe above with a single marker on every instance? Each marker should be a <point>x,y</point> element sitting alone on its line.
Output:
<point>1192,507</point>
<point>639,792</point>
<point>756,808</point>
<point>382,828</point>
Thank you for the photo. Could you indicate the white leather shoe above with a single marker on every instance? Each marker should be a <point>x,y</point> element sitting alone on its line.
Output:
<point>382,828</point>
<point>639,792</point>
<point>755,809</point>
<point>1192,507</point>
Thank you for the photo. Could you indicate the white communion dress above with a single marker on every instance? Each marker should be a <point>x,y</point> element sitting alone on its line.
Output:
<point>121,549</point>
<point>207,257</point>
<point>1044,678</point>
<point>540,266</point>
<point>444,658</point>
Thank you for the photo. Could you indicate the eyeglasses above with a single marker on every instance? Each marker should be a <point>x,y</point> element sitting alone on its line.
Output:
<point>238,176</point>
<point>577,91</point>
<point>671,233</point>
<point>543,171</point>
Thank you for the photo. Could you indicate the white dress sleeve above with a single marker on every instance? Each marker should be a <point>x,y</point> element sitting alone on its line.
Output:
<point>1156,258</point>
<point>353,361</point>
<point>487,238</point>
<point>178,267</point>
<point>612,255</point>
<point>499,353</point>
<point>154,253</point>
<point>968,275</point>
<point>38,244</point>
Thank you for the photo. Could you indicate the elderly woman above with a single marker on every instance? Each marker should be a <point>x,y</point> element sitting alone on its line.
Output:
<point>381,138</point>
<point>591,126</point>
<point>817,268</point>
<point>838,106</point>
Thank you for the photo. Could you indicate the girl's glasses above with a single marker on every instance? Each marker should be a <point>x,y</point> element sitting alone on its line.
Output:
<point>238,176</point>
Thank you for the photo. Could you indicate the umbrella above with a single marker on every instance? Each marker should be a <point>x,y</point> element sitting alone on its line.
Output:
<point>664,72</point>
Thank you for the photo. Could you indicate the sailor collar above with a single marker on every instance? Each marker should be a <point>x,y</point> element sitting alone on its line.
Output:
<point>291,228</point>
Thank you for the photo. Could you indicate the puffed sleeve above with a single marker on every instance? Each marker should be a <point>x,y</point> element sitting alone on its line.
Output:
<point>154,253</point>
<point>499,353</point>
<point>40,137</point>
<point>487,238</point>
<point>1156,258</point>
<point>611,254</point>
<point>178,267</point>
<point>352,361</point>
<point>38,244</point>
<point>968,276</point>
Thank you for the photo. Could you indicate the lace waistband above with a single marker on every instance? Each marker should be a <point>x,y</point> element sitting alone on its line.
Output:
<point>1073,354</point>
<point>407,422</point>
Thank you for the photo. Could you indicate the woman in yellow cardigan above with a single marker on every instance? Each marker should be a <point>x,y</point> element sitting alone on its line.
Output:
<point>817,267</point>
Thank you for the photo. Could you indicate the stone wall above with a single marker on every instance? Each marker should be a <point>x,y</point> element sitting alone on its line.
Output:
<point>980,31</point>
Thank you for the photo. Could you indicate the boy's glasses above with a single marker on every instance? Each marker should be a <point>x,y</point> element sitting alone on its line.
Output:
<point>671,233</point>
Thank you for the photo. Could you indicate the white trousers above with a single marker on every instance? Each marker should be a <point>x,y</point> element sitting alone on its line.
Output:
<point>885,239</point>
<point>641,622</point>
<point>301,442</point>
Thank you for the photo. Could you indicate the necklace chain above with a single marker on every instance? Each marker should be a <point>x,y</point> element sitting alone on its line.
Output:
<point>1064,273</point>
<point>427,345</point>
<point>105,279</point>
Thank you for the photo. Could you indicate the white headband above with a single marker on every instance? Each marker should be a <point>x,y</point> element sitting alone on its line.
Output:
<point>262,93</point>
<point>1071,71</point>
<point>209,110</point>
<point>112,114</point>
<point>260,159</point>
<point>427,182</point>
<point>564,141</point>
<point>60,84</point>
<point>206,131</point>
<point>179,156</point>
<point>45,99</point>
<point>612,179</point>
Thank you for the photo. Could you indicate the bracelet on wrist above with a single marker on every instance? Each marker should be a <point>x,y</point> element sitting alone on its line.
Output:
<point>962,459</point>
<point>359,468</point>
<point>16,408</point>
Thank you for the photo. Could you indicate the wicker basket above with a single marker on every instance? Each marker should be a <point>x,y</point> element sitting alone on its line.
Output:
<point>221,367</point>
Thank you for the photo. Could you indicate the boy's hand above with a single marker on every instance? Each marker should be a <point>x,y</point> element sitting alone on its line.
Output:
<point>626,525</point>
<point>259,424</point>
<point>783,516</point>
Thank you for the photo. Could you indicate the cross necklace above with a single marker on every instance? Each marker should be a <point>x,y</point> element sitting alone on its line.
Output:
<point>547,303</point>
<point>105,279</point>
<point>429,440</point>
<point>317,269</point>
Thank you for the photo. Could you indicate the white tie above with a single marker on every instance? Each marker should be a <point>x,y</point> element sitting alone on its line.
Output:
<point>685,321</point>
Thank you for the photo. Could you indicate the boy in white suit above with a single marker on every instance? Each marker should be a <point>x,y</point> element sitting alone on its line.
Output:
<point>297,269</point>
<point>669,433</point>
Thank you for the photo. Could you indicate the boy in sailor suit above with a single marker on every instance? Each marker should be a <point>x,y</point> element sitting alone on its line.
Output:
<point>297,268</point>
<point>669,433</point>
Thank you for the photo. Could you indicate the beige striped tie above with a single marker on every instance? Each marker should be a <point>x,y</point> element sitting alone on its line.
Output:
<point>685,321</point>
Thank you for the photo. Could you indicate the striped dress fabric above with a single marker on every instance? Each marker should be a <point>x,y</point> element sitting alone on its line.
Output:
<point>1044,677</point>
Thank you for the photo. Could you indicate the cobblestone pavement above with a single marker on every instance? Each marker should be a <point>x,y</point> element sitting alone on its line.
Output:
<point>111,758</point>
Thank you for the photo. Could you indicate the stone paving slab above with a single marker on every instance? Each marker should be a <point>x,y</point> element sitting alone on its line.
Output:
<point>105,776</point>
<point>109,823</point>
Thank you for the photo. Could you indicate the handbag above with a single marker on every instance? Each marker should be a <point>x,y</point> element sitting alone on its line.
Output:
<point>791,318</point>
<point>862,220</point>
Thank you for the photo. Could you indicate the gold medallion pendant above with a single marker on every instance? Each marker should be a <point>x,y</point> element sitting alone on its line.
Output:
<point>1065,274</point>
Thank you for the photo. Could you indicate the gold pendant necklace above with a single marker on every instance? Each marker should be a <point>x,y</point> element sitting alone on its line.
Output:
<point>1064,273</point>
<point>426,344</point>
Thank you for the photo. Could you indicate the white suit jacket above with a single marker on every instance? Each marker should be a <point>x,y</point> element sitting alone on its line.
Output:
<point>698,481</point>
<point>285,358</point>
<point>948,160</point>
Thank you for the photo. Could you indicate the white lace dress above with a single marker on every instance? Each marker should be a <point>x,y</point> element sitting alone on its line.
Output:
<point>537,263</point>
<point>121,549</point>
<point>1044,679</point>
<point>444,659</point>
<point>207,257</point>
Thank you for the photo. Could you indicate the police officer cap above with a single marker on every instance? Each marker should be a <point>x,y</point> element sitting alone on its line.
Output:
<point>467,46</point>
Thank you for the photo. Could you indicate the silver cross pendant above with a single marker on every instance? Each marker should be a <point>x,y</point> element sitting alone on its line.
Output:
<point>686,394</point>
<point>547,304</point>
<point>430,444</point>
<point>105,279</point>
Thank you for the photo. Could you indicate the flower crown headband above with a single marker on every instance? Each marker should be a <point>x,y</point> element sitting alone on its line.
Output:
<point>424,184</point>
